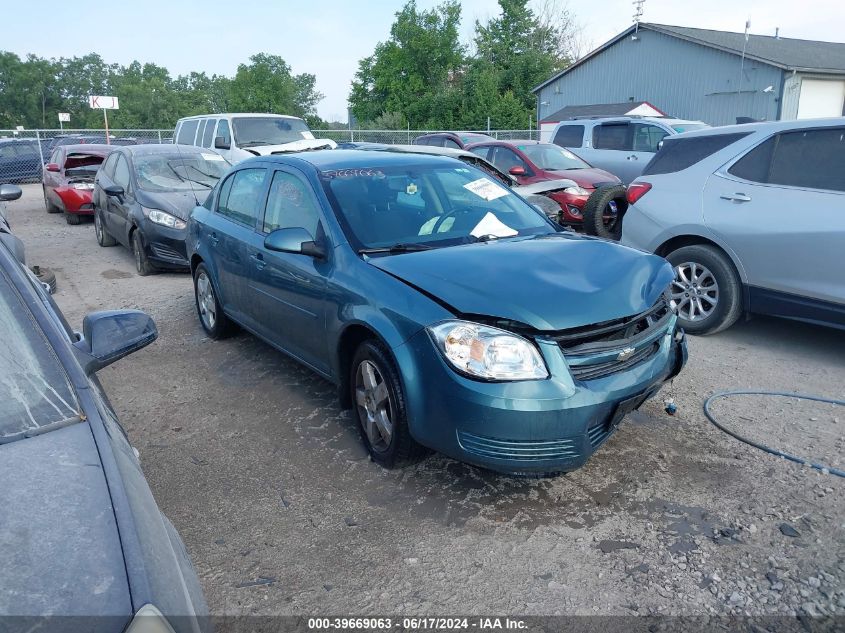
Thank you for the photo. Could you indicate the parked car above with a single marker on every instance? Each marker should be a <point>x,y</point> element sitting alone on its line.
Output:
<point>86,546</point>
<point>68,180</point>
<point>752,217</point>
<point>537,194</point>
<point>621,145</point>
<point>20,161</point>
<point>240,136</point>
<point>143,195</point>
<point>533,161</point>
<point>454,140</point>
<point>85,139</point>
<point>451,314</point>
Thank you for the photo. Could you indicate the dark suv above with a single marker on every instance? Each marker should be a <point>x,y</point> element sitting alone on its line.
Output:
<point>455,140</point>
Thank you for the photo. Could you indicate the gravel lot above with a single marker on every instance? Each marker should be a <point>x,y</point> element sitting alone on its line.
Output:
<point>266,480</point>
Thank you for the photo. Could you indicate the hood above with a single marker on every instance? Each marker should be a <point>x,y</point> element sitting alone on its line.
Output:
<point>588,177</point>
<point>62,552</point>
<point>551,282</point>
<point>544,186</point>
<point>178,203</point>
<point>293,146</point>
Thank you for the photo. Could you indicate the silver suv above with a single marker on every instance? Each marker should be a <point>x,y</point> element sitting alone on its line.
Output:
<point>621,145</point>
<point>752,217</point>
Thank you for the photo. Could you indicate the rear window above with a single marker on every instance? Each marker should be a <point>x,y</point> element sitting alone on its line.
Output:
<point>569,136</point>
<point>678,154</point>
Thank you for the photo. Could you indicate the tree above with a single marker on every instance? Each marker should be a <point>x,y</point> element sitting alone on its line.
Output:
<point>266,85</point>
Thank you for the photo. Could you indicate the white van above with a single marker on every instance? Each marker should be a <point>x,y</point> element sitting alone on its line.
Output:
<point>240,136</point>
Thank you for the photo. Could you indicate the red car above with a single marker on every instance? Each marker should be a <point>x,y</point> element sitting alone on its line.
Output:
<point>533,161</point>
<point>68,179</point>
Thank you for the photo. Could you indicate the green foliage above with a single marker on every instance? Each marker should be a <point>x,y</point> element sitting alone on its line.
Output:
<point>424,74</point>
<point>34,90</point>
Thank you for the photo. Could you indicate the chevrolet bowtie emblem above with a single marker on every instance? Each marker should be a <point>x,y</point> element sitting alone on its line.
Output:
<point>626,353</point>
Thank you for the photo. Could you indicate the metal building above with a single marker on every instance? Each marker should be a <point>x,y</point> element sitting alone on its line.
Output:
<point>699,74</point>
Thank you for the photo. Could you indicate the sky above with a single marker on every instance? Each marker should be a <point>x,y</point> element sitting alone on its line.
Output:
<point>328,37</point>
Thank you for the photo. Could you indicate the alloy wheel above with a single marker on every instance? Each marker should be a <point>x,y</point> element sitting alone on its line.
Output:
<point>373,401</point>
<point>206,302</point>
<point>695,292</point>
<point>610,217</point>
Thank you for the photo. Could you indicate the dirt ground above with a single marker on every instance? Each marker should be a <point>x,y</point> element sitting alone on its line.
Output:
<point>266,479</point>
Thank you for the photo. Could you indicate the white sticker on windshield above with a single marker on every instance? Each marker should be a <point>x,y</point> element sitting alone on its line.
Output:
<point>491,225</point>
<point>212,156</point>
<point>486,189</point>
<point>307,135</point>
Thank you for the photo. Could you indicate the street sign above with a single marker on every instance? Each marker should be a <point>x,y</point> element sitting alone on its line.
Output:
<point>64,117</point>
<point>105,103</point>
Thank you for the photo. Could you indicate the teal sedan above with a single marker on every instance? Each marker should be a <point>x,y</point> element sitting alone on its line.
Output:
<point>451,314</point>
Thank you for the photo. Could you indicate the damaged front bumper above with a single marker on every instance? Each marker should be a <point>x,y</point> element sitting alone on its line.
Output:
<point>550,425</point>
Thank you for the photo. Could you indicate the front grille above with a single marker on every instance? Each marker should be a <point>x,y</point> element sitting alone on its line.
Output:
<point>160,250</point>
<point>615,330</point>
<point>522,450</point>
<point>600,370</point>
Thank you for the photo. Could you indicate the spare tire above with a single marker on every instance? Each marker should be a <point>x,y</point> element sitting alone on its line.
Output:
<point>604,210</point>
<point>45,276</point>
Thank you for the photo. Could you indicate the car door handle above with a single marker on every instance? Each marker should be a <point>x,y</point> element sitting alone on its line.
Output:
<point>258,258</point>
<point>633,157</point>
<point>213,239</point>
<point>737,197</point>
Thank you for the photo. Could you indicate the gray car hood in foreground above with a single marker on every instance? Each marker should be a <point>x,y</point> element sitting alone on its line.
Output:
<point>61,549</point>
<point>549,283</point>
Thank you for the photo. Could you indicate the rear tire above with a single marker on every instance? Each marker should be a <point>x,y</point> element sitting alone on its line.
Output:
<point>104,238</point>
<point>599,218</point>
<point>142,264</point>
<point>706,292</point>
<point>72,218</point>
<point>378,405</point>
<point>212,318</point>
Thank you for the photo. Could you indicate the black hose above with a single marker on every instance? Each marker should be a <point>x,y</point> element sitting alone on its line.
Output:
<point>762,447</point>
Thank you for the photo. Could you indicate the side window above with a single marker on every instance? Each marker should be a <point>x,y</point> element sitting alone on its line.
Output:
<point>505,159</point>
<point>121,173</point>
<point>447,142</point>
<point>200,131</point>
<point>223,130</point>
<point>290,204</point>
<point>108,166</point>
<point>7,151</point>
<point>754,166</point>
<point>810,158</point>
<point>648,137</point>
<point>240,196</point>
<point>208,137</point>
<point>187,132</point>
<point>481,151</point>
<point>56,157</point>
<point>569,136</point>
<point>612,136</point>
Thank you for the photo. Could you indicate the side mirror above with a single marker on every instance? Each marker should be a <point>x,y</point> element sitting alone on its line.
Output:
<point>109,336</point>
<point>517,171</point>
<point>115,191</point>
<point>52,167</point>
<point>220,142</point>
<point>9,192</point>
<point>659,145</point>
<point>294,240</point>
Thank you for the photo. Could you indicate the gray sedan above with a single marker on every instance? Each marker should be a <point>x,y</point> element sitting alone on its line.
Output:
<point>752,217</point>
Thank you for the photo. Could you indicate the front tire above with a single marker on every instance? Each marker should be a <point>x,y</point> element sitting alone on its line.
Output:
<point>378,405</point>
<point>104,238</point>
<point>51,208</point>
<point>72,219</point>
<point>706,291</point>
<point>212,318</point>
<point>603,212</point>
<point>142,264</point>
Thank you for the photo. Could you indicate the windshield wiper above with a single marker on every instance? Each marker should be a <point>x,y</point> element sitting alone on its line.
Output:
<point>395,248</point>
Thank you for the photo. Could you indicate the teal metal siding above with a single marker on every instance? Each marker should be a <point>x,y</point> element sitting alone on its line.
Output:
<point>684,79</point>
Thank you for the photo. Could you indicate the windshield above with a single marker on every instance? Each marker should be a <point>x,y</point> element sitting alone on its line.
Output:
<point>427,205</point>
<point>551,157</point>
<point>688,127</point>
<point>179,170</point>
<point>34,388</point>
<point>257,131</point>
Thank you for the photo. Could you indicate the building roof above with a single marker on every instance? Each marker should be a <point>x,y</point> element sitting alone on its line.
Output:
<point>782,52</point>
<point>642,108</point>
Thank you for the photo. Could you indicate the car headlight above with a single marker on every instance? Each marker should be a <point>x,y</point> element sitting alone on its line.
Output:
<point>576,191</point>
<point>486,352</point>
<point>165,219</point>
<point>149,620</point>
<point>84,186</point>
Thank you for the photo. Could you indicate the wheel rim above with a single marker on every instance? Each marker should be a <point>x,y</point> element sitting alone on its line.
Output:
<point>98,228</point>
<point>695,292</point>
<point>205,301</point>
<point>373,401</point>
<point>610,216</point>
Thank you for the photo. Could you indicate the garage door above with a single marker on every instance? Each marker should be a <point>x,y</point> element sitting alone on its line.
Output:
<point>821,98</point>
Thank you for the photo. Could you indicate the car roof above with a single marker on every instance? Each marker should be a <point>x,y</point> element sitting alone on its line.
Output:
<point>329,159</point>
<point>163,148</point>
<point>240,114</point>
<point>767,127</point>
<point>88,148</point>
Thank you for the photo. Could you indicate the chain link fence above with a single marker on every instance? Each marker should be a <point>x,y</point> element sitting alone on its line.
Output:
<point>23,153</point>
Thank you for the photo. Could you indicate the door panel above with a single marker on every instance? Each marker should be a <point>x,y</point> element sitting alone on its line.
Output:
<point>117,212</point>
